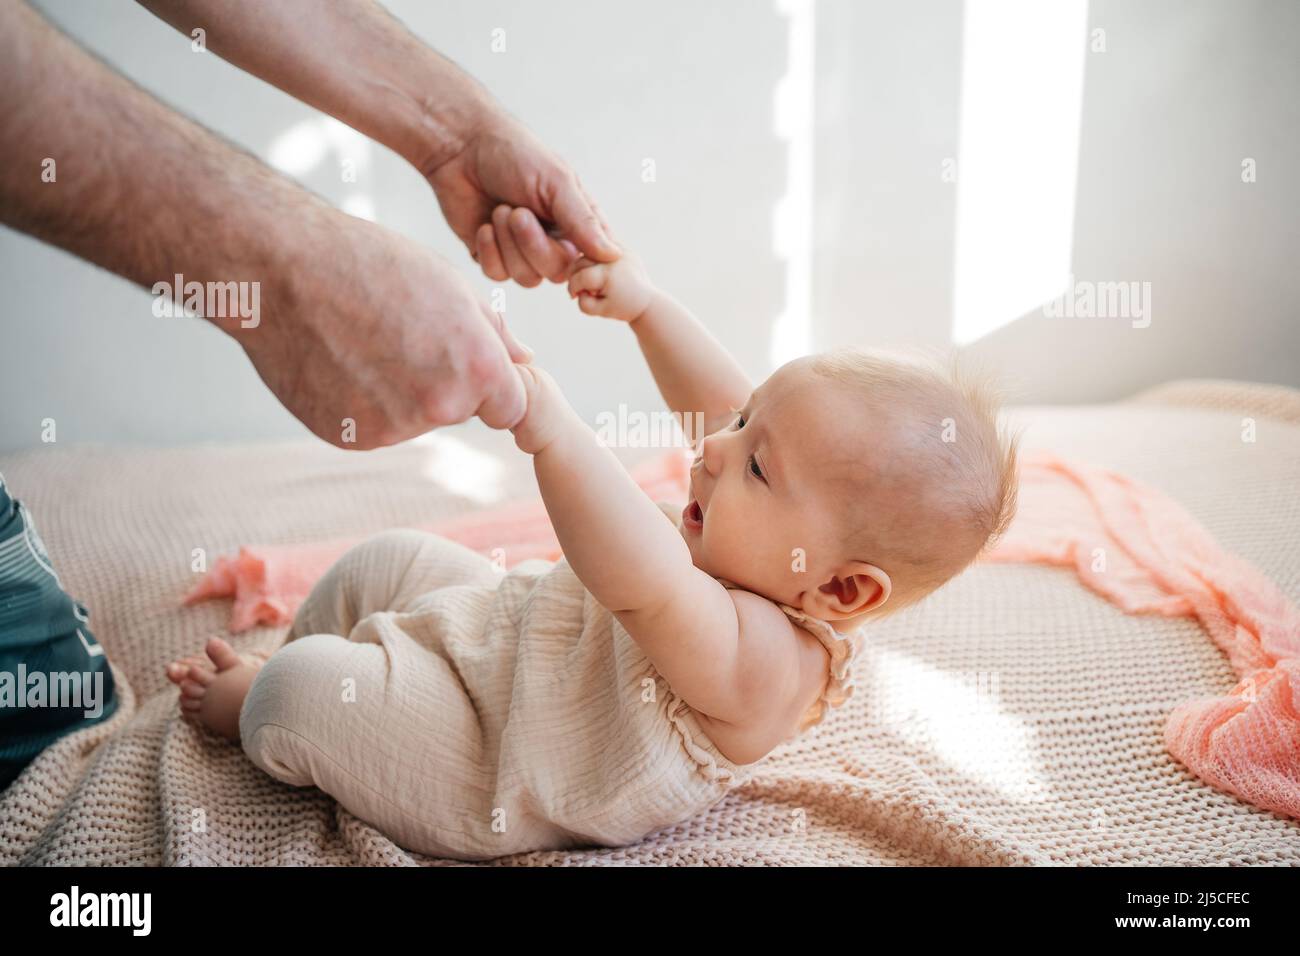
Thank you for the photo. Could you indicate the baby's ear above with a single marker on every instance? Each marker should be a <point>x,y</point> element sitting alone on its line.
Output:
<point>855,589</point>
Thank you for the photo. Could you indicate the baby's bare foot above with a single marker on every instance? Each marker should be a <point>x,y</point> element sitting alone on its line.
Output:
<point>214,685</point>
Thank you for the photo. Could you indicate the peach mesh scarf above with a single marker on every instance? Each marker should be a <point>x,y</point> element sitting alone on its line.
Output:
<point>268,582</point>
<point>1142,551</point>
<point>1127,542</point>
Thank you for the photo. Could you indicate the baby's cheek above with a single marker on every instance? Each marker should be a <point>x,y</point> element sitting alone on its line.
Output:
<point>749,542</point>
<point>723,538</point>
<point>791,555</point>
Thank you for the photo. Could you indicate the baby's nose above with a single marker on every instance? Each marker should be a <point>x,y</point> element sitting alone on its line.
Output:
<point>707,457</point>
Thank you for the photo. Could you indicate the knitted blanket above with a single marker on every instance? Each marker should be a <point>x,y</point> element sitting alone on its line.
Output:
<point>1013,718</point>
<point>1126,540</point>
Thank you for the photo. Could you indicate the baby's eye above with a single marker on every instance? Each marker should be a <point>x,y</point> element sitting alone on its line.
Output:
<point>753,467</point>
<point>740,420</point>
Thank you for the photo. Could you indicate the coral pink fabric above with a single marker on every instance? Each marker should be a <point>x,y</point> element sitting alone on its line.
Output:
<point>268,582</point>
<point>1154,558</point>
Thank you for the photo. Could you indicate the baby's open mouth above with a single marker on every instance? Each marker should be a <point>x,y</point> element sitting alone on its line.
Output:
<point>693,515</point>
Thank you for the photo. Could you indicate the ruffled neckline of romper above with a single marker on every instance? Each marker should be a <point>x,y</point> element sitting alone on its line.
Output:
<point>843,650</point>
<point>840,685</point>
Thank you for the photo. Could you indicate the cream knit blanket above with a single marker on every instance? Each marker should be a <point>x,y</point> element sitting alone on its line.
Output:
<point>1013,718</point>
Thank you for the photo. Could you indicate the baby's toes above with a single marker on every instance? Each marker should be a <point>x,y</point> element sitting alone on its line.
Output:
<point>179,669</point>
<point>192,691</point>
<point>201,674</point>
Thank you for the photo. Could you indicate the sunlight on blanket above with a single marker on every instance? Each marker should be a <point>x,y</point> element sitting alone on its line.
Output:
<point>955,715</point>
<point>461,469</point>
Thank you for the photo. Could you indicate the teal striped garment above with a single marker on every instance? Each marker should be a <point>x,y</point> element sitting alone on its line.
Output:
<point>54,677</point>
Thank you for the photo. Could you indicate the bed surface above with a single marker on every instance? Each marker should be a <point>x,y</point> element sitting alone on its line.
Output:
<point>1012,718</point>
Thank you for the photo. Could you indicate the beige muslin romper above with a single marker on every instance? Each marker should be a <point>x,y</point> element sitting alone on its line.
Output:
<point>468,712</point>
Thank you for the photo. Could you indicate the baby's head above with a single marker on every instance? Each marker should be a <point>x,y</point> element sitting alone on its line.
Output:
<point>853,482</point>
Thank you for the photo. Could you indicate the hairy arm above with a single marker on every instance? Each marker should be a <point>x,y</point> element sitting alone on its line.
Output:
<point>356,62</point>
<point>361,326</point>
<point>130,177</point>
<point>352,60</point>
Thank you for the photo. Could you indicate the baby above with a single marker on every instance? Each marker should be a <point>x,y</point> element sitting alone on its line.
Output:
<point>472,713</point>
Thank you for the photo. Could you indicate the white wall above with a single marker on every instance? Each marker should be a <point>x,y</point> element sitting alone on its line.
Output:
<point>1184,91</point>
<point>889,76</point>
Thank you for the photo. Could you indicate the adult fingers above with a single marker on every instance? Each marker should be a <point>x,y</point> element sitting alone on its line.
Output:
<point>570,250</point>
<point>489,254</point>
<point>506,402</point>
<point>543,253</point>
<point>604,223</point>
<point>578,220</point>
<point>518,351</point>
<point>514,260</point>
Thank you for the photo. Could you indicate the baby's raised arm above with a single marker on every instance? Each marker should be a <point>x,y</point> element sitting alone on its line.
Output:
<point>694,372</point>
<point>727,654</point>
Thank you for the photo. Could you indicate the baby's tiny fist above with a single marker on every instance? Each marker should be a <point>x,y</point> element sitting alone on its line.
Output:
<point>613,290</point>
<point>535,430</point>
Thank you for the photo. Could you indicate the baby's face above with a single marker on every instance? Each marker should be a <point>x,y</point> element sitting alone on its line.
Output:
<point>764,491</point>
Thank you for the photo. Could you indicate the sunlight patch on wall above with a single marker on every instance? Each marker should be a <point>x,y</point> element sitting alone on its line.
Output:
<point>792,218</point>
<point>1017,168</point>
<point>303,147</point>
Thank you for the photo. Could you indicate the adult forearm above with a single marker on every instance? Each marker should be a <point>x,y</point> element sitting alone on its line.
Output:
<point>129,184</point>
<point>352,60</point>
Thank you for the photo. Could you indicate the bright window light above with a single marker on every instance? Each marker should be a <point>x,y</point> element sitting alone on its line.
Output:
<point>792,219</point>
<point>1017,168</point>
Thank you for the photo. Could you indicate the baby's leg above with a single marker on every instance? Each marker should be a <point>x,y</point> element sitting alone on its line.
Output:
<point>383,725</point>
<point>375,719</point>
<point>387,572</point>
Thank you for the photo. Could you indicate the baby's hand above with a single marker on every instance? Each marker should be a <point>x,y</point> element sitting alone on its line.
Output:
<point>545,416</point>
<point>615,290</point>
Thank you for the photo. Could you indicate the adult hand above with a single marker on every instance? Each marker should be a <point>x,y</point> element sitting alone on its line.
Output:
<point>365,337</point>
<point>502,165</point>
<point>357,63</point>
<point>377,340</point>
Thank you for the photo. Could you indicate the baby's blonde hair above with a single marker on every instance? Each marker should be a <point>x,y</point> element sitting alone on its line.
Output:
<point>951,461</point>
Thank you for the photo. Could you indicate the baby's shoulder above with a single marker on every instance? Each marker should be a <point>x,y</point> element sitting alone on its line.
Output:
<point>787,669</point>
